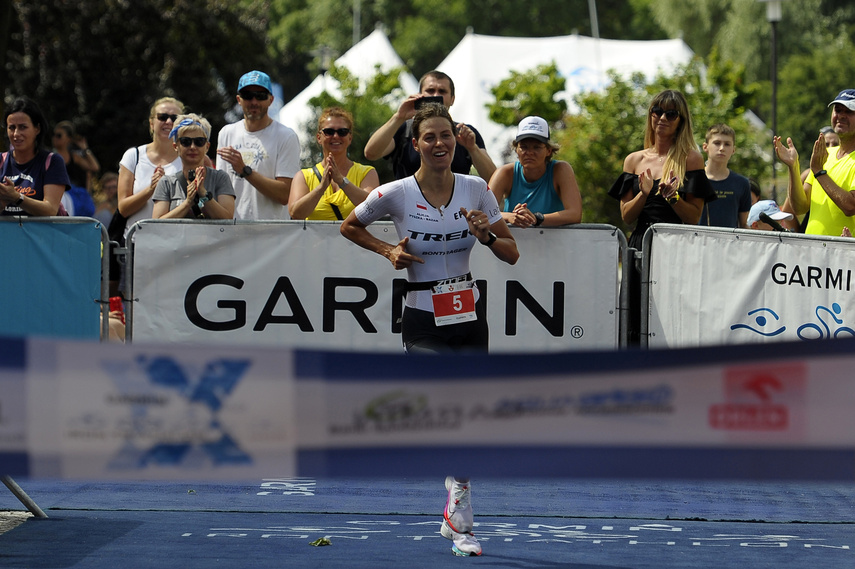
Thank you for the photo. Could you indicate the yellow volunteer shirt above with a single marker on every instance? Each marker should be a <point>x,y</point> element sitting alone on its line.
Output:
<point>825,217</point>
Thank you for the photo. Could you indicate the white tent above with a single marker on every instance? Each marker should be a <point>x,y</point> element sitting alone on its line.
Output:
<point>361,60</point>
<point>480,62</point>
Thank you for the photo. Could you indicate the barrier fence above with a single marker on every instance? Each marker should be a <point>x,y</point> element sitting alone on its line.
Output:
<point>301,284</point>
<point>54,278</point>
<point>712,286</point>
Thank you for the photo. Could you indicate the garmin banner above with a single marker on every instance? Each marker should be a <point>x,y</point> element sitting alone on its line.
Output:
<point>301,284</point>
<point>724,286</point>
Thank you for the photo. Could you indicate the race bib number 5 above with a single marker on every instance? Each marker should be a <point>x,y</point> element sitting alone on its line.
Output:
<point>453,303</point>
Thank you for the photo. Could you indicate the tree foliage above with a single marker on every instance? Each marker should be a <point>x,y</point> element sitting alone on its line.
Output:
<point>807,83</point>
<point>529,93</point>
<point>370,105</point>
<point>102,63</point>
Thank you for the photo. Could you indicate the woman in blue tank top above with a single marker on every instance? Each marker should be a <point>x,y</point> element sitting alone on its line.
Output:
<point>537,190</point>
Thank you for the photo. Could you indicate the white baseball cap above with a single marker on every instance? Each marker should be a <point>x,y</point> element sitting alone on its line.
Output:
<point>770,208</point>
<point>533,127</point>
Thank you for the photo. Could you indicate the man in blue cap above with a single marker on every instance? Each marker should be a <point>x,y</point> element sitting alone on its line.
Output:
<point>260,155</point>
<point>829,190</point>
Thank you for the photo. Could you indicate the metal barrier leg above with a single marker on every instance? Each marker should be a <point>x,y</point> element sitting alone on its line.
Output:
<point>23,497</point>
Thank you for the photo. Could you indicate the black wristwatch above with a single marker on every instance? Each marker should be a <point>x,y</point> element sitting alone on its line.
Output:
<point>19,201</point>
<point>539,217</point>
<point>245,172</point>
<point>489,242</point>
<point>820,173</point>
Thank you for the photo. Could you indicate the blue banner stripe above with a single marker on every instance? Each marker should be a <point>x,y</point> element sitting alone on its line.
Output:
<point>13,353</point>
<point>344,366</point>
<point>583,462</point>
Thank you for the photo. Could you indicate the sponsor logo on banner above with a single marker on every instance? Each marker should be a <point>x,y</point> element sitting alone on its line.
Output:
<point>147,395</point>
<point>402,410</point>
<point>768,399</point>
<point>827,324</point>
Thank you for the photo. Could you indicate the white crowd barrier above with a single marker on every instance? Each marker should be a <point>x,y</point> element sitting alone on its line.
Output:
<point>300,284</point>
<point>54,278</point>
<point>729,286</point>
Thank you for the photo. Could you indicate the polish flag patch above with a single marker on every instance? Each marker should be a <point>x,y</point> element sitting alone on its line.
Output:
<point>420,206</point>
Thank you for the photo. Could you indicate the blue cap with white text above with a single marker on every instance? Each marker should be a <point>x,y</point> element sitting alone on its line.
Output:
<point>257,78</point>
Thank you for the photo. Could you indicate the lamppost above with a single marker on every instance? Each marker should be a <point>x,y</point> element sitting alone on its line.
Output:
<point>773,16</point>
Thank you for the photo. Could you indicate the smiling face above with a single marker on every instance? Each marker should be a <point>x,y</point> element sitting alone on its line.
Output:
<point>843,121</point>
<point>333,141</point>
<point>435,142</point>
<point>162,121</point>
<point>22,132</point>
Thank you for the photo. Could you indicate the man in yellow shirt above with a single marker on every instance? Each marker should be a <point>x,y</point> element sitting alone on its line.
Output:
<point>829,190</point>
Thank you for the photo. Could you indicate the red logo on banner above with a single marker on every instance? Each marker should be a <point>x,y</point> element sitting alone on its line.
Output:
<point>767,399</point>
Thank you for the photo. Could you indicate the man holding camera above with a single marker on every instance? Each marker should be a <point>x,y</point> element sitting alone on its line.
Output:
<point>393,140</point>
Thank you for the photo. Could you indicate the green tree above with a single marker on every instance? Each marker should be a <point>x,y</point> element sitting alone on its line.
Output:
<point>610,125</point>
<point>102,63</point>
<point>529,93</point>
<point>369,104</point>
<point>807,83</point>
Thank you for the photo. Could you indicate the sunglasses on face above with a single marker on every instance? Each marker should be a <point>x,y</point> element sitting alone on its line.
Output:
<point>342,132</point>
<point>669,114</point>
<point>163,117</point>
<point>199,141</point>
<point>257,95</point>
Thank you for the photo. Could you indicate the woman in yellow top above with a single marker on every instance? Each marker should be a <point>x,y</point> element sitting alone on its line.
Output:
<point>324,192</point>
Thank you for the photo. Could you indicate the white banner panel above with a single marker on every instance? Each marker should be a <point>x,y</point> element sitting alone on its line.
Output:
<point>301,284</point>
<point>768,405</point>
<point>179,413</point>
<point>723,286</point>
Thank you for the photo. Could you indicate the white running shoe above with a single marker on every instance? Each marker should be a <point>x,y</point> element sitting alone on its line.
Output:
<point>465,544</point>
<point>458,519</point>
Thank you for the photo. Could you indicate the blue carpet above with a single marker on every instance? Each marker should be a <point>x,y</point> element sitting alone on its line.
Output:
<point>190,540</point>
<point>587,524</point>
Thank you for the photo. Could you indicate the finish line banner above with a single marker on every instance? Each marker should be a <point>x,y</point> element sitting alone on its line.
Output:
<point>85,410</point>
<point>724,286</point>
<point>301,284</point>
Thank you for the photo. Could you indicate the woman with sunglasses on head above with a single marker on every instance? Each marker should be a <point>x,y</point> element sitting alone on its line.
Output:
<point>196,191</point>
<point>143,166</point>
<point>335,185</point>
<point>665,182</point>
<point>32,179</point>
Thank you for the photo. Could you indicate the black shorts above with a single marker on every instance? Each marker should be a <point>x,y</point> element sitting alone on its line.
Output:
<point>421,335</point>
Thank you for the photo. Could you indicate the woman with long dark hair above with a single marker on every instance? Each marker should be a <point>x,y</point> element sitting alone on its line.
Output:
<point>32,179</point>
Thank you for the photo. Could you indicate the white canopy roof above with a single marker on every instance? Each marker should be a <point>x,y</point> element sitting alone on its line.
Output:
<point>361,60</point>
<point>480,62</point>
